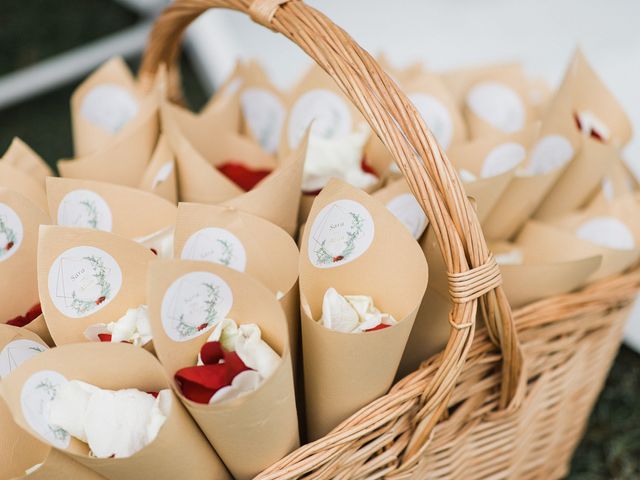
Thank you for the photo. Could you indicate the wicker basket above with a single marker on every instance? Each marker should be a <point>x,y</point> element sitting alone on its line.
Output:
<point>508,397</point>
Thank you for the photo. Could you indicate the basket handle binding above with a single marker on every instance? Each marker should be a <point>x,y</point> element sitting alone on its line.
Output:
<point>474,278</point>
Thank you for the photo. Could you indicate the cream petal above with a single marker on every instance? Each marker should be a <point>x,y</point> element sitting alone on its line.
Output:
<point>242,384</point>
<point>69,409</point>
<point>337,313</point>
<point>254,352</point>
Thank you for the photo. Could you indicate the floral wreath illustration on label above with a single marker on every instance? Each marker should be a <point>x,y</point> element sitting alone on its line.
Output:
<point>84,209</point>
<point>193,304</point>
<point>82,280</point>
<point>11,232</point>
<point>37,393</point>
<point>341,232</point>
<point>216,245</point>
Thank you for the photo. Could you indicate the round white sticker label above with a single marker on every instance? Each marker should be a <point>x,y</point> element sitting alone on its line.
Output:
<point>342,231</point>
<point>216,245</point>
<point>502,158</point>
<point>17,352</point>
<point>608,232</point>
<point>36,396</point>
<point>435,115</point>
<point>264,114</point>
<point>193,304</point>
<point>84,209</point>
<point>549,153</point>
<point>11,232</point>
<point>329,113</point>
<point>406,208</point>
<point>83,280</point>
<point>498,105</point>
<point>109,106</point>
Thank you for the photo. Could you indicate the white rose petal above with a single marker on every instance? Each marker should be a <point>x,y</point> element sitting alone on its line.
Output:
<point>242,384</point>
<point>68,410</point>
<point>337,313</point>
<point>254,352</point>
<point>132,327</point>
<point>339,157</point>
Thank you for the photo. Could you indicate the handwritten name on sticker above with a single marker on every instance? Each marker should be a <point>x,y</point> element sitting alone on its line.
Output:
<point>83,280</point>
<point>193,304</point>
<point>341,232</point>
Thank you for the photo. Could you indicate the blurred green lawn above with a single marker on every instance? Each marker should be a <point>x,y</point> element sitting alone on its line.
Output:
<point>32,30</point>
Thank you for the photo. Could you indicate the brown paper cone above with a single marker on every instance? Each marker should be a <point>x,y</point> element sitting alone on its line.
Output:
<point>246,243</point>
<point>89,138</point>
<point>18,181</point>
<point>179,450</point>
<point>494,98</point>
<point>399,200</point>
<point>493,161</point>
<point>438,108</point>
<point>19,223</point>
<point>274,198</point>
<point>128,212</point>
<point>617,183</point>
<point>20,156</point>
<point>103,272</point>
<point>160,175</point>
<point>345,371</point>
<point>39,327</point>
<point>19,451</point>
<point>545,271</point>
<point>587,93</point>
<point>402,76</point>
<point>551,152</point>
<point>317,98</point>
<point>614,261</point>
<point>250,432</point>
<point>122,161</point>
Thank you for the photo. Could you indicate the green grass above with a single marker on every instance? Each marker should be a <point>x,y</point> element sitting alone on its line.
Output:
<point>36,29</point>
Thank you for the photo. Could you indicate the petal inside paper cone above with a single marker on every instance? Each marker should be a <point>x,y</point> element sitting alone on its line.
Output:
<point>243,176</point>
<point>22,320</point>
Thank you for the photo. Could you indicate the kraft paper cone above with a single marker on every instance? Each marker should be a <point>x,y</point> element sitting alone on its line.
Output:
<point>493,161</point>
<point>399,200</point>
<point>438,108</point>
<point>19,451</point>
<point>317,99</point>
<point>39,327</point>
<point>544,272</point>
<point>590,96</point>
<point>551,152</point>
<point>460,80</point>
<point>431,328</point>
<point>178,451</point>
<point>18,181</point>
<point>345,371</point>
<point>250,432</point>
<point>160,175</point>
<point>614,261</point>
<point>128,113</point>
<point>617,183</point>
<point>86,277</point>
<point>122,161</point>
<point>275,198</point>
<point>246,243</point>
<point>22,157</point>
<point>128,212</point>
<point>263,107</point>
<point>19,223</point>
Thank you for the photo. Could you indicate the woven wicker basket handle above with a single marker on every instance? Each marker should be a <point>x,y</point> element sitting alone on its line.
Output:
<point>474,278</point>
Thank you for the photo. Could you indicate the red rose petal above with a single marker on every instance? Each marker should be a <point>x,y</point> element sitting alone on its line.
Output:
<point>246,178</point>
<point>26,319</point>
<point>234,364</point>
<point>104,337</point>
<point>154,251</point>
<point>366,168</point>
<point>199,383</point>
<point>378,327</point>
<point>153,394</point>
<point>211,353</point>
